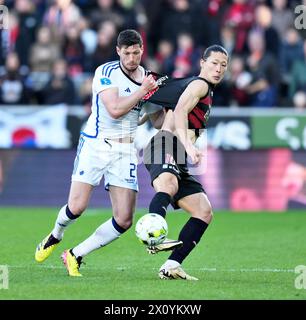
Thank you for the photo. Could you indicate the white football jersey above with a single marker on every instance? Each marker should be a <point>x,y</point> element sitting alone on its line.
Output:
<point>100,123</point>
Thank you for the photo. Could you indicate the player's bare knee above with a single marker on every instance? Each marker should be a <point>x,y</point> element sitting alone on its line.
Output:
<point>172,188</point>
<point>167,184</point>
<point>205,214</point>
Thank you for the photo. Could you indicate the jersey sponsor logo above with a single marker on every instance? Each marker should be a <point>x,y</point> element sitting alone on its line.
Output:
<point>127,90</point>
<point>105,81</point>
<point>161,80</point>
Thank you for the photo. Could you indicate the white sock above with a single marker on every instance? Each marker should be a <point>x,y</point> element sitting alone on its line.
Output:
<point>105,234</point>
<point>61,223</point>
<point>170,264</point>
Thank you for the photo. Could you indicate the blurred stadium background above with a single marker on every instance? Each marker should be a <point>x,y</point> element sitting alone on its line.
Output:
<point>256,153</point>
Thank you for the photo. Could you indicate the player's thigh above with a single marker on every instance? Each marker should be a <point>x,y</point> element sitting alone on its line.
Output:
<point>122,170</point>
<point>123,203</point>
<point>197,205</point>
<point>79,196</point>
<point>92,158</point>
<point>166,182</point>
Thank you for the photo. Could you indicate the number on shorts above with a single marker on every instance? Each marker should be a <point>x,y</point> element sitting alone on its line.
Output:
<point>132,170</point>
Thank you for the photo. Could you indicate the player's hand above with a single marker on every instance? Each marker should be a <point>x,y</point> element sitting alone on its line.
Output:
<point>148,84</point>
<point>194,154</point>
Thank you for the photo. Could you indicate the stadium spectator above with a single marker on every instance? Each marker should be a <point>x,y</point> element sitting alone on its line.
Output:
<point>12,83</point>
<point>154,12</point>
<point>86,5</point>
<point>263,24</point>
<point>60,15</point>
<point>238,81</point>
<point>180,17</point>
<point>60,88</point>
<point>43,52</point>
<point>188,102</point>
<point>88,35</point>
<point>186,56</point>
<point>263,89</point>
<point>73,50</point>
<point>28,22</point>
<point>86,94</point>
<point>210,20</point>
<point>298,75</point>
<point>164,56</point>
<point>132,15</point>
<point>282,18</point>
<point>291,49</point>
<point>228,38</point>
<point>8,37</point>
<point>240,17</point>
<point>299,100</point>
<point>106,10</point>
<point>105,45</point>
<point>110,132</point>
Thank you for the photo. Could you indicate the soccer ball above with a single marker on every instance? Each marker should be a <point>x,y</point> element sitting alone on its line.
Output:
<point>151,229</point>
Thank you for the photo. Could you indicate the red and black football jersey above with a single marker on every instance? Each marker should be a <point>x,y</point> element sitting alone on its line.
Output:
<point>169,91</point>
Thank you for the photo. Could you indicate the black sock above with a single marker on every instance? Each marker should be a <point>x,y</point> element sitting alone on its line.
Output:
<point>70,215</point>
<point>159,203</point>
<point>190,235</point>
<point>51,241</point>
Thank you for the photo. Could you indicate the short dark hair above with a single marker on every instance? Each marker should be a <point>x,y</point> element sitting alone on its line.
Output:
<point>128,38</point>
<point>214,48</point>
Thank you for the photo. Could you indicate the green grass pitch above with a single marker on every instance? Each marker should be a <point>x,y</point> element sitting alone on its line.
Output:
<point>241,256</point>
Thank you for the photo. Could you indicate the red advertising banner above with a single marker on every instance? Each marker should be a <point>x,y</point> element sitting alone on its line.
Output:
<point>273,179</point>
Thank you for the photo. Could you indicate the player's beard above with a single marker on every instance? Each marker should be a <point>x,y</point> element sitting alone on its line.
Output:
<point>131,69</point>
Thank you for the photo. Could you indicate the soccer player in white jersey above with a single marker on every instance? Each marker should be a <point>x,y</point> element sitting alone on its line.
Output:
<point>106,149</point>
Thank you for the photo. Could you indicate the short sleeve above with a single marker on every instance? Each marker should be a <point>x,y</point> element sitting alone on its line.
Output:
<point>105,78</point>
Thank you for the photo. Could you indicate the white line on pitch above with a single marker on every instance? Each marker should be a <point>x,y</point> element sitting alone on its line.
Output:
<point>245,270</point>
<point>273,270</point>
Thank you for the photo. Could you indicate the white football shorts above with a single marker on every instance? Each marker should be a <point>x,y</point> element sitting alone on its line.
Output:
<point>116,161</point>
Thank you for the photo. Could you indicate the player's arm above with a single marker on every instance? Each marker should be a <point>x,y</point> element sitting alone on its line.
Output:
<point>153,112</point>
<point>157,118</point>
<point>118,106</point>
<point>142,119</point>
<point>188,100</point>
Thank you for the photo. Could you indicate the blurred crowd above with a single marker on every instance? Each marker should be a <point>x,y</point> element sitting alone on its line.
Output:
<point>51,48</point>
